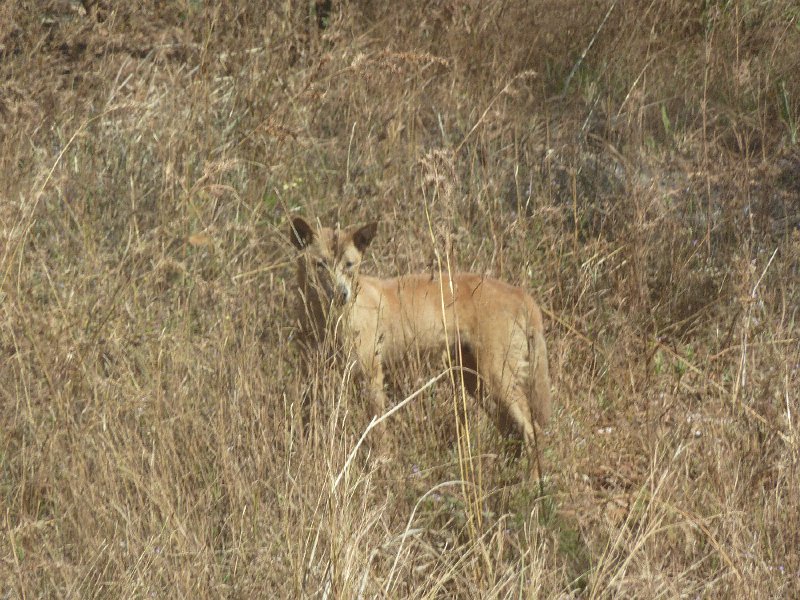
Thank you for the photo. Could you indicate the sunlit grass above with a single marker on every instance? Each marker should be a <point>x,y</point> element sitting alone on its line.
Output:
<point>152,443</point>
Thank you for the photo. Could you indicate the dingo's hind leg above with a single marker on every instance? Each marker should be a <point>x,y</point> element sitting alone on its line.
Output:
<point>506,373</point>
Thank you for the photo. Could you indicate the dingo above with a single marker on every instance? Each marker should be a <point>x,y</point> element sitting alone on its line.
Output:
<point>493,330</point>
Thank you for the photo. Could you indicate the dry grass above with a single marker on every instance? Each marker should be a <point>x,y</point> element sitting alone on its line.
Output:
<point>636,165</point>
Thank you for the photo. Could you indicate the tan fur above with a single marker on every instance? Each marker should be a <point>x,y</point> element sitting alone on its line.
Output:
<point>493,328</point>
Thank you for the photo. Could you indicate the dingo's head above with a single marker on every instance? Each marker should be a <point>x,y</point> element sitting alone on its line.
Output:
<point>330,257</point>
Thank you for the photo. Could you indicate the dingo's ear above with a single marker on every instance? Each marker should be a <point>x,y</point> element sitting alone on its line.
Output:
<point>363,235</point>
<point>301,233</point>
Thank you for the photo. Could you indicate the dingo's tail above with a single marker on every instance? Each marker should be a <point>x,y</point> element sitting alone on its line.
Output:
<point>540,401</point>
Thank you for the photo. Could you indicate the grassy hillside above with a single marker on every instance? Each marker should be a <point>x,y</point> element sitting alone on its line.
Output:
<point>635,165</point>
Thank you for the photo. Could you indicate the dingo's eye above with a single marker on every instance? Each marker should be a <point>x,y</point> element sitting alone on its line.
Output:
<point>348,264</point>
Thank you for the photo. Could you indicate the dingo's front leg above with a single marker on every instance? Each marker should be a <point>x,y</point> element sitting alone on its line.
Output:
<point>376,403</point>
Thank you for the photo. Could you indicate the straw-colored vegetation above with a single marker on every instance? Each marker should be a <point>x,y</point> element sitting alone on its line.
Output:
<point>634,164</point>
